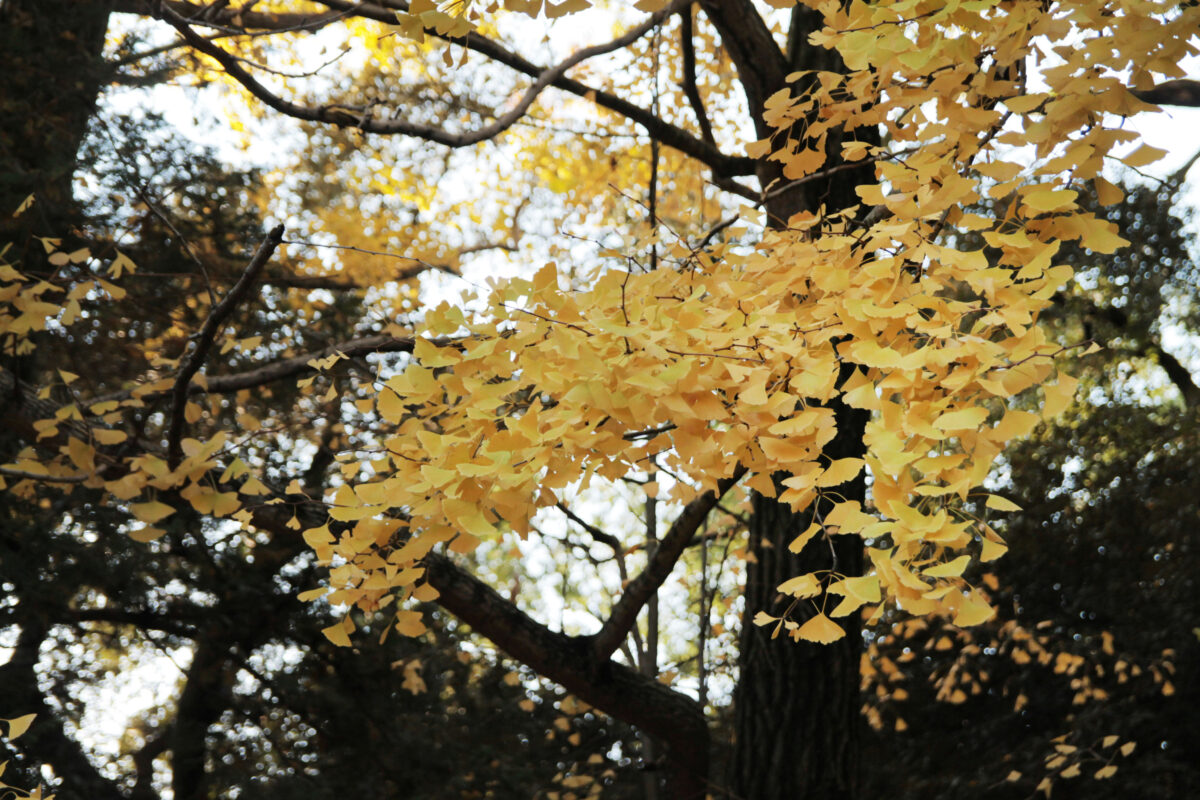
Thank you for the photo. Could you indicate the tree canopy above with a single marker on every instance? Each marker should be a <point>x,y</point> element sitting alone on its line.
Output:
<point>783,281</point>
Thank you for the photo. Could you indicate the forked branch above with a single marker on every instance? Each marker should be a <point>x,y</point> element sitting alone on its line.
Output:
<point>643,587</point>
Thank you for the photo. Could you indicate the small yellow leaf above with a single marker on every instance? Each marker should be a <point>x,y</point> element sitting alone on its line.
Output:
<point>19,725</point>
<point>108,436</point>
<point>147,534</point>
<point>798,543</point>
<point>1013,776</point>
<point>800,586</point>
<point>999,503</point>
<point>151,512</point>
<point>1107,193</point>
<point>527,705</point>
<point>974,611</point>
<point>425,593</point>
<point>840,471</point>
<point>1071,771</point>
<point>1128,748</point>
<point>950,569</point>
<point>963,419</point>
<point>763,618</point>
<point>1046,200</point>
<point>991,550</point>
<point>1059,396</point>
<point>337,635</point>
<point>1106,772</point>
<point>409,623</point>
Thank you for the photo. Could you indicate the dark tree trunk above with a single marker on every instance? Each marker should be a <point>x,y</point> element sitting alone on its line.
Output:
<point>53,72</point>
<point>796,705</point>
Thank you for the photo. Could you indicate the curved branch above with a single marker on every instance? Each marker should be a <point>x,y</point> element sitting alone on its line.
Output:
<point>643,587</point>
<point>723,165</point>
<point>344,115</point>
<point>670,717</point>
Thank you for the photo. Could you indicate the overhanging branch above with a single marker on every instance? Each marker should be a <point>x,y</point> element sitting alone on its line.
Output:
<point>723,165</point>
<point>361,117</point>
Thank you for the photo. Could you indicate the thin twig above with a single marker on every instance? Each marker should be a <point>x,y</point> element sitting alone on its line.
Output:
<point>212,298</point>
<point>8,472</point>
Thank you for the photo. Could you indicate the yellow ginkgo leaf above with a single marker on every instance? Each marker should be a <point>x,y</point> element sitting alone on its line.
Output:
<point>999,503</point>
<point>798,543</point>
<point>820,629</point>
<point>151,512</point>
<point>18,725</point>
<point>147,534</point>
<point>962,419</point>
<point>337,635</point>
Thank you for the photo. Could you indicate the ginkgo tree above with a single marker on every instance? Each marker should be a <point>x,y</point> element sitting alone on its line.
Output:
<point>844,325</point>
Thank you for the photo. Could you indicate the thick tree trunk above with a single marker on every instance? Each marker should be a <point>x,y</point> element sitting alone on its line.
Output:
<point>53,72</point>
<point>796,705</point>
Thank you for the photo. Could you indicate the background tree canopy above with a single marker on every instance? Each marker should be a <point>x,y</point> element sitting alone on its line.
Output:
<point>627,404</point>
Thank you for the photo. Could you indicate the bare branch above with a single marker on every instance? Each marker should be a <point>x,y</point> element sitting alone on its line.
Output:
<point>361,117</point>
<point>204,340</point>
<point>34,476</point>
<point>668,716</point>
<point>670,547</point>
<point>723,165</point>
<point>689,74</point>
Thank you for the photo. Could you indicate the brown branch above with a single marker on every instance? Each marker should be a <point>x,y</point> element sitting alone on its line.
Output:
<point>689,74</point>
<point>361,117</point>
<point>205,338</point>
<point>1181,92</point>
<point>723,165</point>
<point>670,717</point>
<point>761,66</point>
<point>606,539</point>
<point>643,587</point>
<point>33,476</point>
<point>1180,375</point>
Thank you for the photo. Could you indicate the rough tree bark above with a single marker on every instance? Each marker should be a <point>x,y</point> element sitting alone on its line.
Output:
<point>796,705</point>
<point>53,72</point>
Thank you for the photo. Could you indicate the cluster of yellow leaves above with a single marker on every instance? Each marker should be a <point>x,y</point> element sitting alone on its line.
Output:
<point>1069,761</point>
<point>25,307</point>
<point>738,358</point>
<point>1088,677</point>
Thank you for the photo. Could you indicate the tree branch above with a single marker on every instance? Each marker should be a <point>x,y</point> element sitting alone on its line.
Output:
<point>689,74</point>
<point>761,65</point>
<point>723,165</point>
<point>204,340</point>
<point>670,717</point>
<point>643,587</point>
<point>1181,92</point>
<point>360,117</point>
